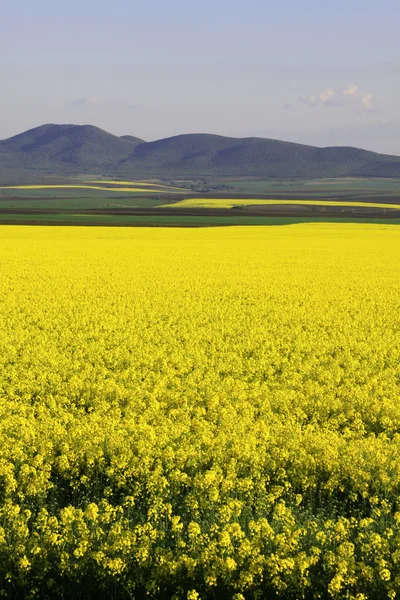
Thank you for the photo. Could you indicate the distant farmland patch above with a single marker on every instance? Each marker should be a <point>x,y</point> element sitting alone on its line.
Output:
<point>218,203</point>
<point>142,184</point>
<point>101,186</point>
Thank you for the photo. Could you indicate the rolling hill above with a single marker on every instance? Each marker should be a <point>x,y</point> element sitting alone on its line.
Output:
<point>82,149</point>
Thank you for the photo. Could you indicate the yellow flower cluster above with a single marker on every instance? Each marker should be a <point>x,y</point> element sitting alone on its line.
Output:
<point>235,202</point>
<point>194,414</point>
<point>132,187</point>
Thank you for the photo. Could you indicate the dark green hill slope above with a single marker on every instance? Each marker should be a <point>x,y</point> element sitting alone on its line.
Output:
<point>133,139</point>
<point>80,149</point>
<point>216,155</point>
<point>65,149</point>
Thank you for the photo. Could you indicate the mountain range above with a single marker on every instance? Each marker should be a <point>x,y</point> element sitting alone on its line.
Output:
<point>68,150</point>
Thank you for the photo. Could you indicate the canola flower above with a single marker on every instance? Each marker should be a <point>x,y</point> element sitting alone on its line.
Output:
<point>196,414</point>
<point>232,203</point>
<point>85,187</point>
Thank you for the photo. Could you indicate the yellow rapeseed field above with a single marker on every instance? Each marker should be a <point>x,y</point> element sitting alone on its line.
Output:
<point>231,203</point>
<point>194,414</point>
<point>84,186</point>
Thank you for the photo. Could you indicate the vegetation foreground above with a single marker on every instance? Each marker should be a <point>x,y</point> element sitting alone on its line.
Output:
<point>197,414</point>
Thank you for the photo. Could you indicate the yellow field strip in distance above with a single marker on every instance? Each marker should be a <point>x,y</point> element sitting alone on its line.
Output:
<point>81,187</point>
<point>141,183</point>
<point>228,203</point>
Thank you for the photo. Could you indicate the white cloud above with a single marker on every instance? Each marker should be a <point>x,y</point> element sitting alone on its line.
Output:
<point>366,100</point>
<point>350,90</point>
<point>344,96</point>
<point>90,101</point>
<point>326,96</point>
<point>310,100</point>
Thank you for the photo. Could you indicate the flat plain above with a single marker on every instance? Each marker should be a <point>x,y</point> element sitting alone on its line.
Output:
<point>198,203</point>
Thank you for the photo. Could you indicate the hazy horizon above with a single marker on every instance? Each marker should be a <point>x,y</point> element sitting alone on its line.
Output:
<point>310,73</point>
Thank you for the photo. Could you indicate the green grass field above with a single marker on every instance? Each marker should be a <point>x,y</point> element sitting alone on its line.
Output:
<point>79,202</point>
<point>70,193</point>
<point>321,187</point>
<point>76,205</point>
<point>172,220</point>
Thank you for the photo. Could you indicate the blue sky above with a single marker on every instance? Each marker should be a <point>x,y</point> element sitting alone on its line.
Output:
<point>308,71</point>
